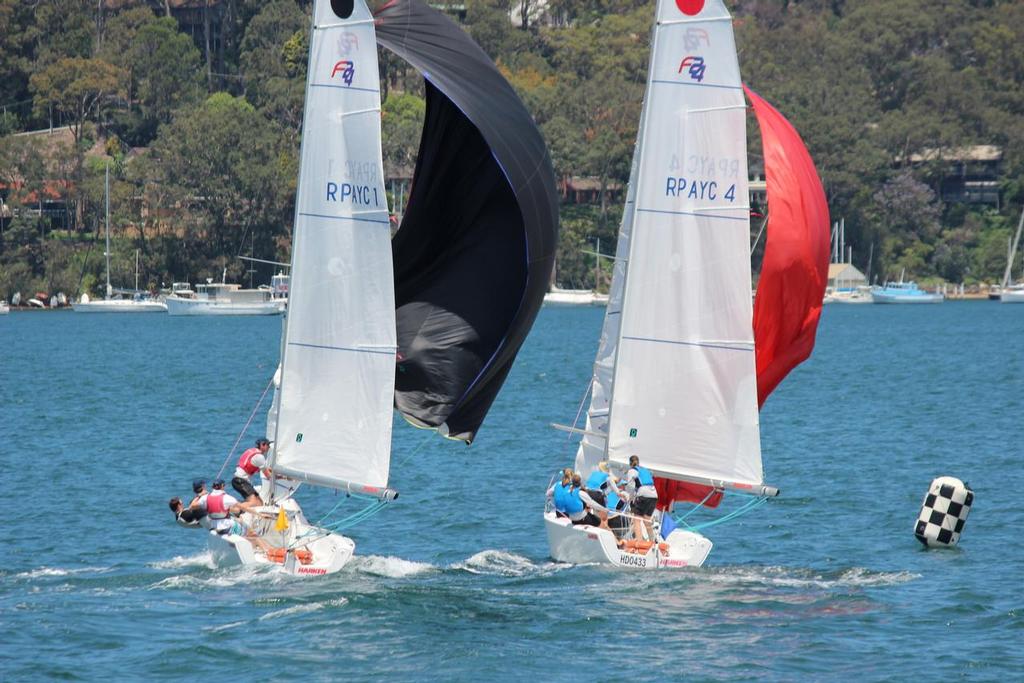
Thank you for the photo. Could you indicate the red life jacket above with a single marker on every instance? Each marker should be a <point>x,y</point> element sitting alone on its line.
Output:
<point>245,462</point>
<point>215,508</point>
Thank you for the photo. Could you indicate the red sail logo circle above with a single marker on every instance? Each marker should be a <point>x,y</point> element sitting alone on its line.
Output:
<point>690,7</point>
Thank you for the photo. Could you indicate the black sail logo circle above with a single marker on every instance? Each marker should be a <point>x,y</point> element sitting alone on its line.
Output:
<point>343,8</point>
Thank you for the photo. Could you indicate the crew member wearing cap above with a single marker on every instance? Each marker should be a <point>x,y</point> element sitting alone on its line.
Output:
<point>252,460</point>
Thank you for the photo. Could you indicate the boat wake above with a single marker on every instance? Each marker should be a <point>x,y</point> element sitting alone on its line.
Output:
<point>204,559</point>
<point>501,563</point>
<point>226,578</point>
<point>391,567</point>
<point>789,577</point>
<point>304,608</point>
<point>48,572</point>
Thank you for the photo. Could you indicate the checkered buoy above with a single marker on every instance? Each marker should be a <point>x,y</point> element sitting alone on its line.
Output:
<point>943,513</point>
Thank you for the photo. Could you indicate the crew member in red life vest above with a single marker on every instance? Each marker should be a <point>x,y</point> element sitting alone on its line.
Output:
<point>251,462</point>
<point>223,510</point>
<point>220,506</point>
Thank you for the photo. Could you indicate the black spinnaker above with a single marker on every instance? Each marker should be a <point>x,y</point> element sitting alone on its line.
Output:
<point>476,246</point>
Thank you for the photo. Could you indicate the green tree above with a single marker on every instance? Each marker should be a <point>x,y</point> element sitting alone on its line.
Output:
<point>226,162</point>
<point>61,29</point>
<point>76,87</point>
<point>906,214</point>
<point>15,17</point>
<point>273,61</point>
<point>401,128</point>
<point>167,66</point>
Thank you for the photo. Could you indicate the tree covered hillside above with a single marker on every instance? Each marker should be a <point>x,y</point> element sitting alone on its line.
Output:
<point>197,105</point>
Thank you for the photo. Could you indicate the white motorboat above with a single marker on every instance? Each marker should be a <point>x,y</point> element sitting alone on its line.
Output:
<point>218,298</point>
<point>675,381</point>
<point>860,295</point>
<point>4,308</point>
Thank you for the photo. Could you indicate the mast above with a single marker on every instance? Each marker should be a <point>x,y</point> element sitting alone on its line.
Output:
<point>106,195</point>
<point>1013,251</point>
<point>684,388</point>
<point>136,270</point>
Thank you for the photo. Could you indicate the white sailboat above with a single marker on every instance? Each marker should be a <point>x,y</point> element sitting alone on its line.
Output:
<point>137,303</point>
<point>360,302</point>
<point>557,296</point>
<point>675,380</point>
<point>1011,293</point>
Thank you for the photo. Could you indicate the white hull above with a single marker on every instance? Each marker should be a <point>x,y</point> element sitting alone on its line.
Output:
<point>918,299</point>
<point>575,297</point>
<point>302,549</point>
<point>330,554</point>
<point>119,306</point>
<point>179,306</point>
<point>590,545</point>
<point>4,309</point>
<point>849,298</point>
<point>1012,296</point>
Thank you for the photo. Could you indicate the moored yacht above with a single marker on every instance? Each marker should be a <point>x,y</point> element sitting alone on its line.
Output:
<point>904,293</point>
<point>218,298</point>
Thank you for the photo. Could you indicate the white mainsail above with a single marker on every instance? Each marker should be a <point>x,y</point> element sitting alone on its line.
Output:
<point>338,359</point>
<point>592,448</point>
<point>684,387</point>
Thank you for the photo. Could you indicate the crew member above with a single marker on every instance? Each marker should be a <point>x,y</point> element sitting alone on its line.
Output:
<point>558,491</point>
<point>580,506</point>
<point>643,497</point>
<point>186,516</point>
<point>602,487</point>
<point>252,460</point>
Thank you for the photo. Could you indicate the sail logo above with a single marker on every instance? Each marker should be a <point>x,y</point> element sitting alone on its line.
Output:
<point>347,68</point>
<point>694,65</point>
<point>695,38</point>
<point>690,8</point>
<point>347,43</point>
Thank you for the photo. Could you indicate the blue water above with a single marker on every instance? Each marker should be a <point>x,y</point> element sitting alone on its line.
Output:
<point>104,417</point>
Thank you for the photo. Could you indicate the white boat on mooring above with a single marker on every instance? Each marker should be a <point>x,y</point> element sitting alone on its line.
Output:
<point>218,298</point>
<point>675,381</point>
<point>574,297</point>
<point>134,301</point>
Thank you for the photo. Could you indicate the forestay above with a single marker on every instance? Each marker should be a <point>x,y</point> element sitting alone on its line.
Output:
<point>338,365</point>
<point>595,435</point>
<point>684,389</point>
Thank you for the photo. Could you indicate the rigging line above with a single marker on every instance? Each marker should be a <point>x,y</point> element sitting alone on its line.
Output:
<point>416,450</point>
<point>579,411</point>
<point>760,232</point>
<point>246,427</point>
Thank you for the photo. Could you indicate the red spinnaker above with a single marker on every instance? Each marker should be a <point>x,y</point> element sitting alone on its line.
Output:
<point>795,266</point>
<point>794,271</point>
